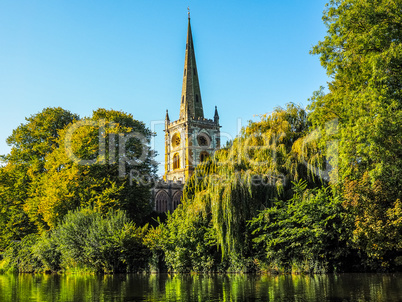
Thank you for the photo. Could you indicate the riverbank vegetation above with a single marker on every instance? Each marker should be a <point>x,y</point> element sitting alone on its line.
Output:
<point>310,190</point>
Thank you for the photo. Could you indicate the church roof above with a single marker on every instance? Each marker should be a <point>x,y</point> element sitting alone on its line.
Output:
<point>191,102</point>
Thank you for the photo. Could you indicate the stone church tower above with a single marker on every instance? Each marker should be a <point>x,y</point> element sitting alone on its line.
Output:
<point>192,138</point>
<point>188,141</point>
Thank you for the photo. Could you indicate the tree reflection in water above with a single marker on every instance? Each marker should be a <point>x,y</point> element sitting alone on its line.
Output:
<point>164,287</point>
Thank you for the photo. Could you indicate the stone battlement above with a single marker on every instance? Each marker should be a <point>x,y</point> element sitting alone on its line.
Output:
<point>167,183</point>
<point>198,119</point>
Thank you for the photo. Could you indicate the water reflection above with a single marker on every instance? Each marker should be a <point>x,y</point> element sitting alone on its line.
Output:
<point>345,287</point>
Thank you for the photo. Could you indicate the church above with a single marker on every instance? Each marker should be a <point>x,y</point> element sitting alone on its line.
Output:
<point>189,140</point>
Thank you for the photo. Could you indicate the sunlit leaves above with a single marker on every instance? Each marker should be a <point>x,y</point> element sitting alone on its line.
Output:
<point>306,234</point>
<point>363,53</point>
<point>229,189</point>
<point>84,170</point>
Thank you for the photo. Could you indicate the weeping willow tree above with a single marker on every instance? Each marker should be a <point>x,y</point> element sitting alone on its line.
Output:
<point>227,191</point>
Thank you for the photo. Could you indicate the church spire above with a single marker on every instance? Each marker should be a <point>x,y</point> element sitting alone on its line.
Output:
<point>191,103</point>
<point>216,116</point>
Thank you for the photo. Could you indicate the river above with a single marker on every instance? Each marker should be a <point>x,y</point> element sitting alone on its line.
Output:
<point>164,287</point>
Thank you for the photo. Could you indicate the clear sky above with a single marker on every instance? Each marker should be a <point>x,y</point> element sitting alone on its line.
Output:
<point>129,55</point>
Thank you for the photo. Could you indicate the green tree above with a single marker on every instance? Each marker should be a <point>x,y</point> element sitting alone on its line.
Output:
<point>209,230</point>
<point>30,143</point>
<point>308,233</point>
<point>362,52</point>
<point>113,144</point>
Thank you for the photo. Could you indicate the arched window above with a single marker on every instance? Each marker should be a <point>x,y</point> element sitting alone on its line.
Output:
<point>196,98</point>
<point>176,161</point>
<point>182,99</point>
<point>176,199</point>
<point>161,201</point>
<point>204,156</point>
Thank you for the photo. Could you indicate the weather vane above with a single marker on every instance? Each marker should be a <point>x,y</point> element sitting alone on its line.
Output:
<point>188,8</point>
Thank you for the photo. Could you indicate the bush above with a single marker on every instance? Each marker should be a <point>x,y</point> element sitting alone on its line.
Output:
<point>20,256</point>
<point>110,243</point>
<point>84,241</point>
<point>307,234</point>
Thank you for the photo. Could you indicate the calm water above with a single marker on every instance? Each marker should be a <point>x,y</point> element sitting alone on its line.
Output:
<point>345,287</point>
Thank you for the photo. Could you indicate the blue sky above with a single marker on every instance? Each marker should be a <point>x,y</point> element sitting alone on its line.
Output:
<point>129,55</point>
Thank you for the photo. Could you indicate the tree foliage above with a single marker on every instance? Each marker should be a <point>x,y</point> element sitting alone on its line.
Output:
<point>347,147</point>
<point>44,176</point>
<point>68,183</point>
<point>86,240</point>
<point>308,233</point>
<point>30,144</point>
<point>363,54</point>
<point>209,231</point>
<point>110,243</point>
<point>32,141</point>
<point>239,210</point>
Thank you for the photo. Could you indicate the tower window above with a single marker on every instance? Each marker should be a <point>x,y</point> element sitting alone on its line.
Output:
<point>204,156</point>
<point>185,71</point>
<point>194,71</point>
<point>176,161</point>
<point>182,99</point>
<point>196,98</point>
